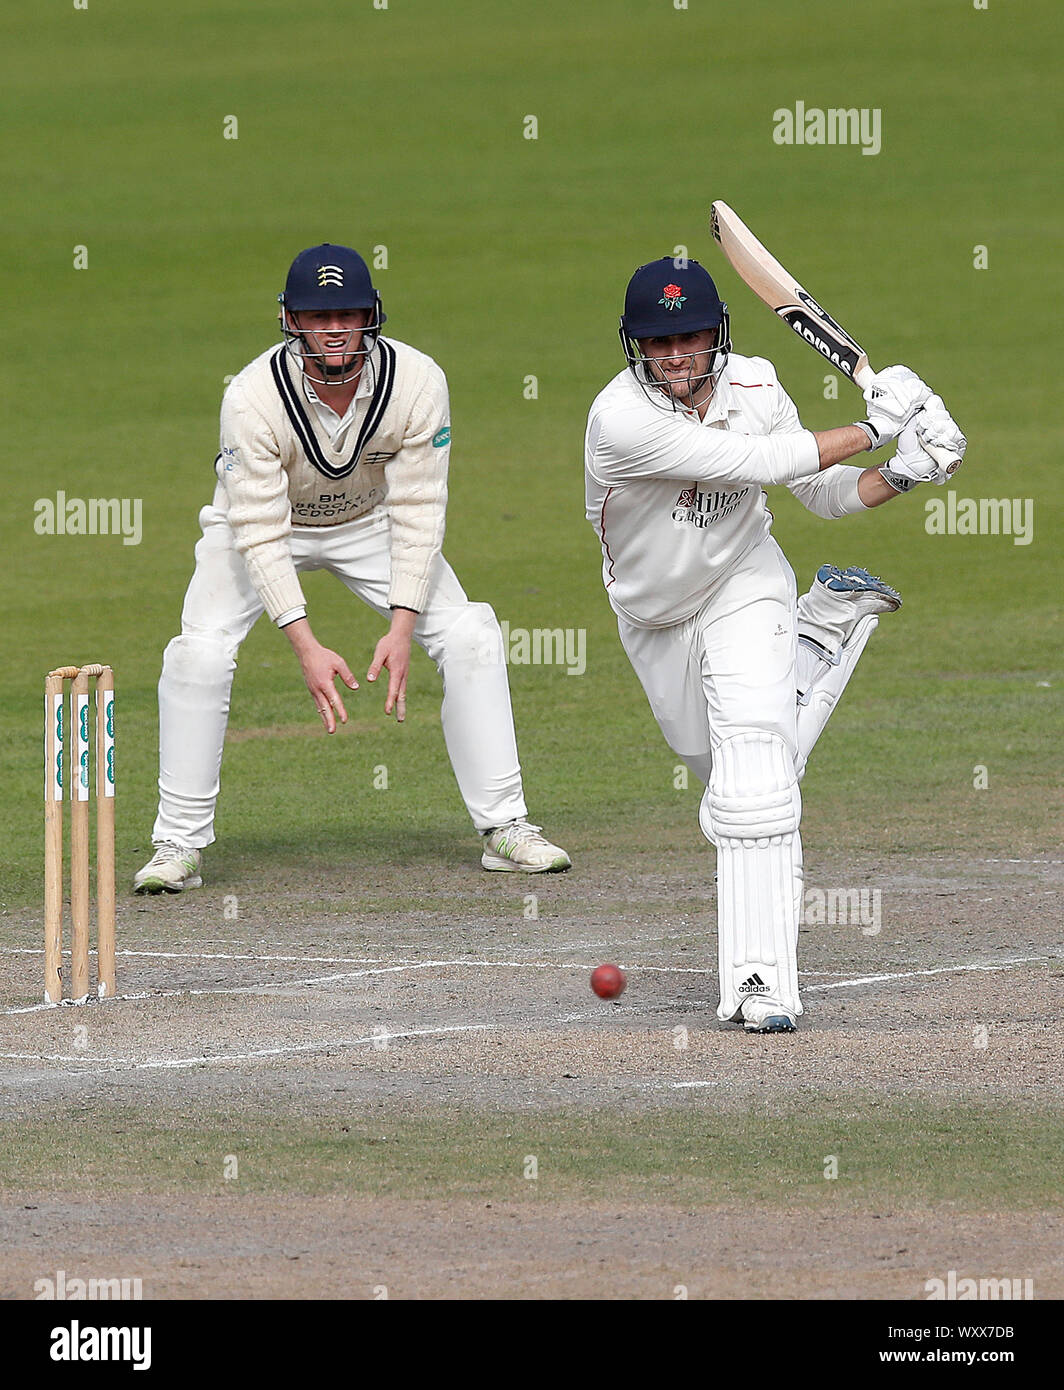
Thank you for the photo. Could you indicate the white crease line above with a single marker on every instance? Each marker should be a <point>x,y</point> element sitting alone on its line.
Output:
<point>361,974</point>
<point>32,1008</point>
<point>214,955</point>
<point>46,1057</point>
<point>509,1025</point>
<point>504,964</point>
<point>230,989</point>
<point>179,1062</point>
<point>839,973</point>
<point>939,970</point>
<point>370,960</point>
<point>373,1039</point>
<point>370,1038</point>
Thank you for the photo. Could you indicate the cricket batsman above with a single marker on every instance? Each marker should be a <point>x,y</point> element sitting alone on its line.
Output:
<point>740,673</point>
<point>334,455</point>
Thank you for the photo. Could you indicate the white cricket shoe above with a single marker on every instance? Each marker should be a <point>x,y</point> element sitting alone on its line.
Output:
<point>764,1016</point>
<point>519,847</point>
<point>171,869</point>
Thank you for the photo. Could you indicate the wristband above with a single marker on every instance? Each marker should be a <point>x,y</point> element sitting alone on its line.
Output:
<point>896,481</point>
<point>291,616</point>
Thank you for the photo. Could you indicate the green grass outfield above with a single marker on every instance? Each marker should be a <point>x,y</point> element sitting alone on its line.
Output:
<point>898,1151</point>
<point>507,258</point>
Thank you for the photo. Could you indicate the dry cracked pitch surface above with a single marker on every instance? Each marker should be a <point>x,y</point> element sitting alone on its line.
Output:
<point>506,1022</point>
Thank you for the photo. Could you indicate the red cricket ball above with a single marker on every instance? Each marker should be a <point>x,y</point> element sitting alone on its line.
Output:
<point>608,981</point>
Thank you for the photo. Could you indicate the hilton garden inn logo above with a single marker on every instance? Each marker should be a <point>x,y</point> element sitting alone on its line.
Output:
<point>696,508</point>
<point>89,516</point>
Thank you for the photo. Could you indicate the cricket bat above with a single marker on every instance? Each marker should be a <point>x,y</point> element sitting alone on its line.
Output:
<point>783,294</point>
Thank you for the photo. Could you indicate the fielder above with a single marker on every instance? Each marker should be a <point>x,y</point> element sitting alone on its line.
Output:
<point>334,452</point>
<point>740,673</point>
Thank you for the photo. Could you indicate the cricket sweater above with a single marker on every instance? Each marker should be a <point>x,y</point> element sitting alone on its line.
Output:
<point>280,466</point>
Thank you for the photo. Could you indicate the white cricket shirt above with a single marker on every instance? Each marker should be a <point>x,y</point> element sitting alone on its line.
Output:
<point>677,501</point>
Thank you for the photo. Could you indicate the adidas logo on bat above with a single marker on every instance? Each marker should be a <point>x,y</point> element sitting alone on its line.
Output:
<point>842,359</point>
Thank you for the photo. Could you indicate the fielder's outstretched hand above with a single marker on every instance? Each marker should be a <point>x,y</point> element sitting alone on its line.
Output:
<point>320,669</point>
<point>393,651</point>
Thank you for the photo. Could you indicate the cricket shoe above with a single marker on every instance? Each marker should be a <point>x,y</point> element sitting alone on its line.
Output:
<point>764,1016</point>
<point>171,869</point>
<point>866,592</point>
<point>520,848</point>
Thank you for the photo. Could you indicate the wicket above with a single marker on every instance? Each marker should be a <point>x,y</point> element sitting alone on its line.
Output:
<point>55,765</point>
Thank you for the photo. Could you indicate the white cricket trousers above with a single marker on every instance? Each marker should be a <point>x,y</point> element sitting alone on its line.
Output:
<point>222,605</point>
<point>729,668</point>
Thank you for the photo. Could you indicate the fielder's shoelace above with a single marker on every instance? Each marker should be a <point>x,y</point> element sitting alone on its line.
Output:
<point>521,832</point>
<point>168,850</point>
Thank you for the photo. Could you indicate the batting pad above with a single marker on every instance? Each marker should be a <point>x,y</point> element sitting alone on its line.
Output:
<point>822,677</point>
<point>753,809</point>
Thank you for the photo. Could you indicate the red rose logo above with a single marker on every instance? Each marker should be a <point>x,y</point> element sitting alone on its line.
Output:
<point>672,296</point>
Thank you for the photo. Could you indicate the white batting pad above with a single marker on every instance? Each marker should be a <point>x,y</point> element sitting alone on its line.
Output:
<point>752,808</point>
<point>822,677</point>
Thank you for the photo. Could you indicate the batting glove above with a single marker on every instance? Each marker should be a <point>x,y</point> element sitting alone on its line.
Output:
<point>893,396</point>
<point>910,465</point>
<point>936,427</point>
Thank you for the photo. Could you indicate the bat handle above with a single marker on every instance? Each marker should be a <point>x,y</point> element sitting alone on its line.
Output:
<point>945,460</point>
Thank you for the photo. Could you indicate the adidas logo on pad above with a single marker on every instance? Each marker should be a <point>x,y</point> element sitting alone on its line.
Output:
<point>754,985</point>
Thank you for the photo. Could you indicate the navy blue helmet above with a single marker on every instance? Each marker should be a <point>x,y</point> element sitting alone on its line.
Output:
<point>666,298</point>
<point>329,277</point>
